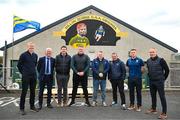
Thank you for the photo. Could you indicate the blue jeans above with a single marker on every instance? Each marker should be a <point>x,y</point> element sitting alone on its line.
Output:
<point>102,84</point>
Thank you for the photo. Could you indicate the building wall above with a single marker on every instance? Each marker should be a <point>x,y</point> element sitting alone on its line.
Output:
<point>46,39</point>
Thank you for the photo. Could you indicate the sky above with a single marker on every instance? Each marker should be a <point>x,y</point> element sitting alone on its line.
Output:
<point>158,18</point>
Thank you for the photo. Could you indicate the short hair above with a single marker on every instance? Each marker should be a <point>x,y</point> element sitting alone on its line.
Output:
<point>133,49</point>
<point>100,51</point>
<point>63,47</point>
<point>48,49</point>
<point>114,53</point>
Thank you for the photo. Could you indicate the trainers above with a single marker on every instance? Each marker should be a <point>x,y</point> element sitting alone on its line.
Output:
<point>138,109</point>
<point>34,109</point>
<point>113,103</point>
<point>88,104</point>
<point>162,116</point>
<point>104,104</point>
<point>94,103</point>
<point>123,107</point>
<point>72,103</point>
<point>49,106</point>
<point>65,103</point>
<point>131,107</point>
<point>153,111</point>
<point>22,112</point>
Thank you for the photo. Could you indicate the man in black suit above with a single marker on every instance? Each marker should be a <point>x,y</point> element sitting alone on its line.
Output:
<point>27,67</point>
<point>45,69</point>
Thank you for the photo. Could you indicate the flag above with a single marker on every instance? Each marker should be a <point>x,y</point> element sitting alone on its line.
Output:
<point>20,24</point>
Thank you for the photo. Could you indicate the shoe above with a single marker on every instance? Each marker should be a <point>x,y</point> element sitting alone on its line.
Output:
<point>162,116</point>
<point>94,103</point>
<point>113,103</point>
<point>104,104</point>
<point>88,104</point>
<point>59,104</point>
<point>34,109</point>
<point>22,112</point>
<point>65,103</point>
<point>72,103</point>
<point>153,111</point>
<point>123,107</point>
<point>131,107</point>
<point>40,107</point>
<point>49,106</point>
<point>138,109</point>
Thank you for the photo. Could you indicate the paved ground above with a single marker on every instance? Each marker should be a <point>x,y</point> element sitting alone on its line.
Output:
<point>9,109</point>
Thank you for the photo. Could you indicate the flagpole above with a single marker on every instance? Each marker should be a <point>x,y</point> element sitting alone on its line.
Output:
<point>12,61</point>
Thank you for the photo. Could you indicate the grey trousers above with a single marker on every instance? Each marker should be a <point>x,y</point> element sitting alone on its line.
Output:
<point>62,83</point>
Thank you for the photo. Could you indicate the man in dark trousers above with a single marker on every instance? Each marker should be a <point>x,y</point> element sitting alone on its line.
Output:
<point>100,68</point>
<point>135,66</point>
<point>62,65</point>
<point>45,69</point>
<point>27,67</point>
<point>117,75</point>
<point>158,72</point>
<point>80,65</point>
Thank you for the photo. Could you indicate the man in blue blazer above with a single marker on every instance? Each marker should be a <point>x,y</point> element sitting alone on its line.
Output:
<point>45,69</point>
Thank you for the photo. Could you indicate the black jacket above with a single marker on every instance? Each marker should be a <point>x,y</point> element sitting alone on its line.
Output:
<point>27,63</point>
<point>80,63</point>
<point>63,64</point>
<point>117,70</point>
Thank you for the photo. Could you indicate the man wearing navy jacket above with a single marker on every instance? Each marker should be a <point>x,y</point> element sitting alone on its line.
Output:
<point>45,69</point>
<point>117,74</point>
<point>27,67</point>
<point>100,67</point>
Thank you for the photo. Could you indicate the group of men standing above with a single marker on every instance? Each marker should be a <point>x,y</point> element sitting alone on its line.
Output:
<point>114,70</point>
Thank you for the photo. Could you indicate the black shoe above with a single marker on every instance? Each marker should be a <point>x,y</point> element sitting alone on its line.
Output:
<point>71,104</point>
<point>40,107</point>
<point>22,112</point>
<point>88,104</point>
<point>49,106</point>
<point>34,109</point>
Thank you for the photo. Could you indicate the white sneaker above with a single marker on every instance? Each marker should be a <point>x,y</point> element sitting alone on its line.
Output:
<point>123,107</point>
<point>113,103</point>
<point>104,104</point>
<point>94,103</point>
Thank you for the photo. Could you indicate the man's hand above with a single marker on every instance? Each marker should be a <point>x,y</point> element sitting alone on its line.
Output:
<point>100,75</point>
<point>80,73</point>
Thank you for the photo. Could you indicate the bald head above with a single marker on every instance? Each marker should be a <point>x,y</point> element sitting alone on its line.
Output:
<point>152,52</point>
<point>30,47</point>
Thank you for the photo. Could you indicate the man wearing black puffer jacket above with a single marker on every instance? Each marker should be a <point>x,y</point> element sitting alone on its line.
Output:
<point>117,74</point>
<point>62,65</point>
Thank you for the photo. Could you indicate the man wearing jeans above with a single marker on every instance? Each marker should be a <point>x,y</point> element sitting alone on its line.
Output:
<point>62,65</point>
<point>100,67</point>
<point>135,65</point>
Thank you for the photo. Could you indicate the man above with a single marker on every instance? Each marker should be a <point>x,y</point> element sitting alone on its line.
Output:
<point>63,62</point>
<point>27,67</point>
<point>80,38</point>
<point>100,67</point>
<point>45,69</point>
<point>135,65</point>
<point>158,72</point>
<point>117,74</point>
<point>80,66</point>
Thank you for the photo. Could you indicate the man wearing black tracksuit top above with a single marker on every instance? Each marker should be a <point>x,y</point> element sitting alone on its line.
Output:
<point>80,65</point>
<point>117,74</point>
<point>158,72</point>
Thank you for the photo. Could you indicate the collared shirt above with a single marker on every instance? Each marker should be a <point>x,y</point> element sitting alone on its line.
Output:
<point>135,67</point>
<point>47,66</point>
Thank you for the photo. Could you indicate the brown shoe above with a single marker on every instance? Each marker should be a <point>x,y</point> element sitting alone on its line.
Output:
<point>149,111</point>
<point>162,116</point>
<point>131,107</point>
<point>65,103</point>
